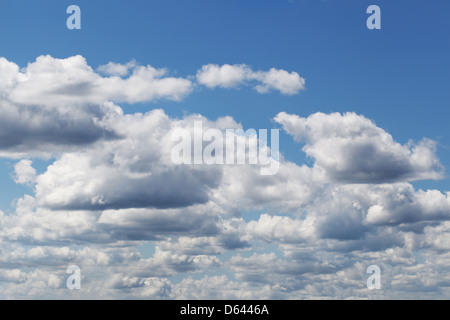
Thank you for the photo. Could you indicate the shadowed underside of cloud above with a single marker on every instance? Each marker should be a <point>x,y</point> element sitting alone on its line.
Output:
<point>39,130</point>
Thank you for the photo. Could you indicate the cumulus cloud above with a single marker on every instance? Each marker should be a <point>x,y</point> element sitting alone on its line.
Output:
<point>31,224</point>
<point>229,76</point>
<point>281,229</point>
<point>135,171</point>
<point>156,224</point>
<point>52,81</point>
<point>352,149</point>
<point>9,76</point>
<point>24,173</point>
<point>55,104</point>
<point>408,206</point>
<point>287,83</point>
<point>226,76</point>
<point>357,212</point>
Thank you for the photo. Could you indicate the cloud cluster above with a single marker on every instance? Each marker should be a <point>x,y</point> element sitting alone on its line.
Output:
<point>53,105</point>
<point>139,226</point>
<point>352,149</point>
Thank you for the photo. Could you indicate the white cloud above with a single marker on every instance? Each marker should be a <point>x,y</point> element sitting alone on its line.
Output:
<point>352,149</point>
<point>31,224</point>
<point>24,173</point>
<point>55,105</point>
<point>281,229</point>
<point>226,76</point>
<point>135,171</point>
<point>437,237</point>
<point>117,69</point>
<point>229,76</point>
<point>50,81</point>
<point>9,76</point>
<point>244,188</point>
<point>287,83</point>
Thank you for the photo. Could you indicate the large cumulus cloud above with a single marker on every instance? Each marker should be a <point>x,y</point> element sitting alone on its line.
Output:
<point>55,103</point>
<point>352,149</point>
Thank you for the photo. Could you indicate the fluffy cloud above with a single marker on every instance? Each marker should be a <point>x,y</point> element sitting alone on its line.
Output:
<point>135,171</point>
<point>352,149</point>
<point>71,81</point>
<point>287,83</point>
<point>281,229</point>
<point>54,104</point>
<point>33,224</point>
<point>9,76</point>
<point>30,224</point>
<point>24,173</point>
<point>358,212</point>
<point>228,76</point>
<point>156,224</point>
<point>117,69</point>
<point>290,190</point>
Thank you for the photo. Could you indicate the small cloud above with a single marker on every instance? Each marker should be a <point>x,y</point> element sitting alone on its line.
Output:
<point>24,173</point>
<point>231,76</point>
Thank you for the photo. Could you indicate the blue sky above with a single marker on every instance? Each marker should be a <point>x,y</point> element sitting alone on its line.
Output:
<point>396,78</point>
